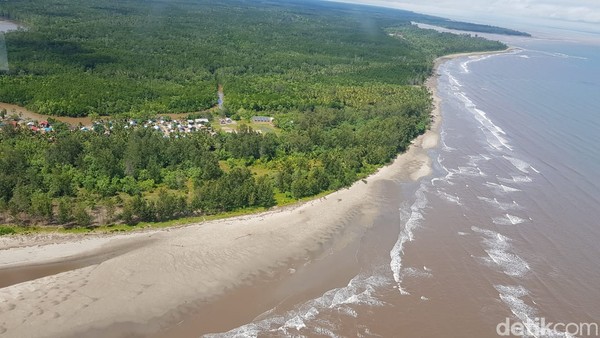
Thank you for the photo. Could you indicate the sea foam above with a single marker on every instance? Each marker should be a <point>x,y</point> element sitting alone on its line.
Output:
<point>500,188</point>
<point>495,135</point>
<point>360,290</point>
<point>498,249</point>
<point>508,219</point>
<point>512,296</point>
<point>411,218</point>
<point>500,205</point>
<point>521,165</point>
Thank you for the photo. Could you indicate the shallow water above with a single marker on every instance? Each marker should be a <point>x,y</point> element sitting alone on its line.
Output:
<point>505,227</point>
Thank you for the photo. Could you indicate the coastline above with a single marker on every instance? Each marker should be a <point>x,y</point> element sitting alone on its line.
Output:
<point>199,259</point>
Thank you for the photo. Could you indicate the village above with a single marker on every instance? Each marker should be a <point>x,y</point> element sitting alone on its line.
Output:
<point>164,124</point>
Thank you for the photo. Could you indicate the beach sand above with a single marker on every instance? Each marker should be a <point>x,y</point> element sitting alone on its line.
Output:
<point>179,265</point>
<point>167,269</point>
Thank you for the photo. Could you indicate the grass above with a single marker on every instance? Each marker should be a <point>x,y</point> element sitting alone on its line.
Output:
<point>6,230</point>
<point>264,127</point>
<point>10,229</point>
<point>281,199</point>
<point>261,170</point>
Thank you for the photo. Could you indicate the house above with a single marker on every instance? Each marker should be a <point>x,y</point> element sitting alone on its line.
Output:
<point>262,119</point>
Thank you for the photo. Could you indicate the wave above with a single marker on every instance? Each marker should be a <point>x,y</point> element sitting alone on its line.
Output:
<point>445,147</point>
<point>359,291</point>
<point>508,219</point>
<point>521,165</point>
<point>500,188</point>
<point>475,159</point>
<point>449,198</point>
<point>454,81</point>
<point>417,273</point>
<point>510,263</point>
<point>465,64</point>
<point>449,174</point>
<point>411,218</point>
<point>501,205</point>
<point>493,239</point>
<point>498,141</point>
<point>470,171</point>
<point>516,179</point>
<point>559,55</point>
<point>512,296</point>
<point>498,249</point>
<point>495,134</point>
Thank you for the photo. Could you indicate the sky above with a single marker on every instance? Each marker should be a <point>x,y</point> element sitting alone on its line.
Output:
<point>560,13</point>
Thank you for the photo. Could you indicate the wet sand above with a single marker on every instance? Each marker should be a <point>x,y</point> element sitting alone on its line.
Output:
<point>205,267</point>
<point>184,265</point>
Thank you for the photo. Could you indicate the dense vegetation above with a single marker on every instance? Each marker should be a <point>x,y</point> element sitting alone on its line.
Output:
<point>159,56</point>
<point>471,27</point>
<point>340,81</point>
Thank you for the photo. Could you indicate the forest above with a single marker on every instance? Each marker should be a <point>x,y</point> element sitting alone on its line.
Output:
<point>343,82</point>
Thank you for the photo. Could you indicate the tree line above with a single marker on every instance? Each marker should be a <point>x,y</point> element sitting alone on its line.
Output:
<point>346,92</point>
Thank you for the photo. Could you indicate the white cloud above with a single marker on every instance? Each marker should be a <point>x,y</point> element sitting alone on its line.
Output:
<point>587,11</point>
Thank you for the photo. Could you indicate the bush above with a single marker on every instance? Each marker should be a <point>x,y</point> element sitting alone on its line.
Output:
<point>6,231</point>
<point>81,216</point>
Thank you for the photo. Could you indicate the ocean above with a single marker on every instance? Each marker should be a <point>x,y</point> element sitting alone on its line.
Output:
<point>500,239</point>
<point>503,235</point>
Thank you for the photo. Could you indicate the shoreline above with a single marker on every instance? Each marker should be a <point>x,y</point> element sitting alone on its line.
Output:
<point>198,259</point>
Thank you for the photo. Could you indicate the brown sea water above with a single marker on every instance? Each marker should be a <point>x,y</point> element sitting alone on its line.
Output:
<point>506,227</point>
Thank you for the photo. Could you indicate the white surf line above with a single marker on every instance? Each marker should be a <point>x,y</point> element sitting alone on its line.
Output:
<point>512,296</point>
<point>411,219</point>
<point>477,58</point>
<point>495,136</point>
<point>508,219</point>
<point>359,291</point>
<point>499,251</point>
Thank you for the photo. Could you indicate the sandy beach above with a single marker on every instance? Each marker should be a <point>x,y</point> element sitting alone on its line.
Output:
<point>180,265</point>
<point>151,274</point>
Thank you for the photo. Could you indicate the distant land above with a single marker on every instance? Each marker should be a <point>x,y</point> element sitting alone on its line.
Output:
<point>296,99</point>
